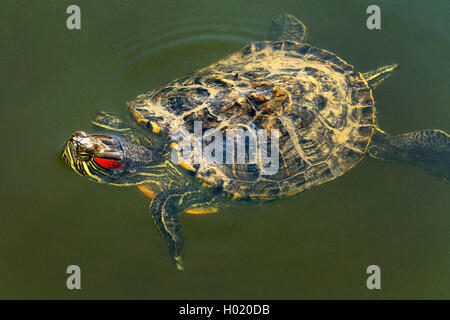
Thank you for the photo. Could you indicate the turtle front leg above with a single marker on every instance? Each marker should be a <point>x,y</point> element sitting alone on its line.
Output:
<point>165,208</point>
<point>106,121</point>
<point>165,214</point>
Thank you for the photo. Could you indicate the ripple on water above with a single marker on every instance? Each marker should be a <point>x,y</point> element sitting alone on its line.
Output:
<point>158,38</point>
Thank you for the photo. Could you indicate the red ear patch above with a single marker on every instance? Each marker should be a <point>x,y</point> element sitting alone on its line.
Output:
<point>109,163</point>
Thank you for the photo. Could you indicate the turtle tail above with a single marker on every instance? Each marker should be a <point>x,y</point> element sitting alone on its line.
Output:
<point>429,149</point>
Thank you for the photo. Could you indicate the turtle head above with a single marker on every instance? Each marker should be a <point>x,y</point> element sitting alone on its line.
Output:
<point>105,158</point>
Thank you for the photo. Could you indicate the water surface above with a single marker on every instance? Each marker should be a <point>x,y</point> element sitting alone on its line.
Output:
<point>316,245</point>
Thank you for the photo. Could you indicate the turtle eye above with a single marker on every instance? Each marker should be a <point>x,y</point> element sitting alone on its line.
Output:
<point>110,164</point>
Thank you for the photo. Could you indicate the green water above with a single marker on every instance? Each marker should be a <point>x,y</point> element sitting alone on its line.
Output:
<point>316,245</point>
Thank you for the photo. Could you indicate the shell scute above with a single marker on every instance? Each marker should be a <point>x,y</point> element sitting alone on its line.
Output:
<point>322,109</point>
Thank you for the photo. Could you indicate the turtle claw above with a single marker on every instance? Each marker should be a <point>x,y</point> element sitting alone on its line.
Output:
<point>179,263</point>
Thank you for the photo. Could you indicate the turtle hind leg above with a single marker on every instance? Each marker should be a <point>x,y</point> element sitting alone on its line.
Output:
<point>377,76</point>
<point>429,149</point>
<point>287,27</point>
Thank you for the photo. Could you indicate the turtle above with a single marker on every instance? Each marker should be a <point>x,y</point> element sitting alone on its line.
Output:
<point>317,111</point>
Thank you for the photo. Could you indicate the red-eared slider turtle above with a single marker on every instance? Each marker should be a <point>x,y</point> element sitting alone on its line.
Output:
<point>317,106</point>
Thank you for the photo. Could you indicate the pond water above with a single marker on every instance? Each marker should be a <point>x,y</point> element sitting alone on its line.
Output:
<point>315,245</point>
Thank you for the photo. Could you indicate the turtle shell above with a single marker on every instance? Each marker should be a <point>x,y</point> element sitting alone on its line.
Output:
<point>322,109</point>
